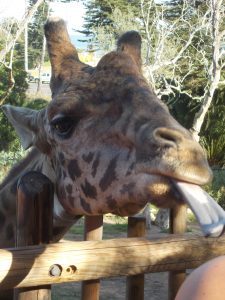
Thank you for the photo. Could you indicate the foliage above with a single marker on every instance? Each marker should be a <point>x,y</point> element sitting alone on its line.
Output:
<point>215,118</point>
<point>105,36</point>
<point>213,134</point>
<point>37,103</point>
<point>17,95</point>
<point>36,33</point>
<point>215,149</point>
<point>8,137</point>
<point>217,188</point>
<point>8,26</point>
<point>8,159</point>
<point>9,140</point>
<point>100,13</point>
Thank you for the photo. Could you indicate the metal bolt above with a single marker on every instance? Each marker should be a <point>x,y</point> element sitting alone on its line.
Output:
<point>55,270</point>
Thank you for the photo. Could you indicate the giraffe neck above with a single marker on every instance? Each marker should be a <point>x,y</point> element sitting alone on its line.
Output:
<point>34,161</point>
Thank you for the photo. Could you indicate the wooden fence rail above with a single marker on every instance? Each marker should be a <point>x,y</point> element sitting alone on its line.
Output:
<point>78,261</point>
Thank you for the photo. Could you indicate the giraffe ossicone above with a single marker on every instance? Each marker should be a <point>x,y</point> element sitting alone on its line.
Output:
<point>106,141</point>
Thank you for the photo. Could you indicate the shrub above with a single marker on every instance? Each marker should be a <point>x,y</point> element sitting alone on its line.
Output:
<point>7,159</point>
<point>37,103</point>
<point>217,188</point>
<point>8,138</point>
<point>215,149</point>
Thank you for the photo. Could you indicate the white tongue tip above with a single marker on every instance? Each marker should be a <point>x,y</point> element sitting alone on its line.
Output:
<point>213,230</point>
<point>209,214</point>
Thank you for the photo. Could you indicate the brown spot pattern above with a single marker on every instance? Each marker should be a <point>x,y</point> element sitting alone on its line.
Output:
<point>89,190</point>
<point>95,164</point>
<point>111,202</point>
<point>109,175</point>
<point>127,188</point>
<point>74,169</point>
<point>85,205</point>
<point>88,158</point>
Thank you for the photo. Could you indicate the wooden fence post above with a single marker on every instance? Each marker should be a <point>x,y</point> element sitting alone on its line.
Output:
<point>34,223</point>
<point>93,229</point>
<point>135,283</point>
<point>178,225</point>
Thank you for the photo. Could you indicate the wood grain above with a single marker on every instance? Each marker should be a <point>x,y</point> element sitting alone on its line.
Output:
<point>178,225</point>
<point>93,229</point>
<point>29,266</point>
<point>135,283</point>
<point>34,222</point>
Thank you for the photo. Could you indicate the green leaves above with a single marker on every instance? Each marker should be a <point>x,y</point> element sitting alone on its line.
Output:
<point>36,33</point>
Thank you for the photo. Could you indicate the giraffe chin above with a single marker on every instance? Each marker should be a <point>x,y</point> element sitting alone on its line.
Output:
<point>162,192</point>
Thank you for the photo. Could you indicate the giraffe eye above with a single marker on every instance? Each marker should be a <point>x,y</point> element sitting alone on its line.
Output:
<point>63,126</point>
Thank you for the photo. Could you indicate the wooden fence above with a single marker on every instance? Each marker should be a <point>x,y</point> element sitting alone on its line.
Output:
<point>35,264</point>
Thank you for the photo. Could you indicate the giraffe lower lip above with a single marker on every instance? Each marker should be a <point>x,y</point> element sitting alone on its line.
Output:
<point>192,177</point>
<point>210,215</point>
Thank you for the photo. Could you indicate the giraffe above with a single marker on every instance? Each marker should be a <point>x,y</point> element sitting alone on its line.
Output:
<point>105,140</point>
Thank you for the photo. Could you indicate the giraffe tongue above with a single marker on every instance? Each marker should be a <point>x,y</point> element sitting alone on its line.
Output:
<point>209,214</point>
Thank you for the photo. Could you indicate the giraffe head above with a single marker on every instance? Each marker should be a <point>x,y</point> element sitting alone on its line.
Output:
<point>112,143</point>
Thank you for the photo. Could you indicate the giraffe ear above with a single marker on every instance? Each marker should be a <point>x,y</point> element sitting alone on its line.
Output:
<point>130,43</point>
<point>24,120</point>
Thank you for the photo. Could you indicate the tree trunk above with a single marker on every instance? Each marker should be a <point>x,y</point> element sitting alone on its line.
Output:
<point>11,80</point>
<point>200,115</point>
<point>26,42</point>
<point>26,48</point>
<point>42,58</point>
<point>215,68</point>
<point>41,64</point>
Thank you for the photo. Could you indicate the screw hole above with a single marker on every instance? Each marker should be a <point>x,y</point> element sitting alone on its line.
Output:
<point>71,269</point>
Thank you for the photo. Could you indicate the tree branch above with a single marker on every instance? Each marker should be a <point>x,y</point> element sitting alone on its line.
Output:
<point>21,27</point>
<point>11,81</point>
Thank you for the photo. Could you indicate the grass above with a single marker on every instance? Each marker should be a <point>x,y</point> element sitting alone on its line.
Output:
<point>111,228</point>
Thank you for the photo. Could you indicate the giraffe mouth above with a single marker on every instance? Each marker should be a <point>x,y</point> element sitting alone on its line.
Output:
<point>209,214</point>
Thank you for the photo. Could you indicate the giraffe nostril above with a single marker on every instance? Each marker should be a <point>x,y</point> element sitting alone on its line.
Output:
<point>168,136</point>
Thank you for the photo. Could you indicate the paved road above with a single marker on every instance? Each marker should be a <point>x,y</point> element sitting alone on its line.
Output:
<point>44,92</point>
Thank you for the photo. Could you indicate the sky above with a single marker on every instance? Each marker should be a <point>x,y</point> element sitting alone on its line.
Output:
<point>72,12</point>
